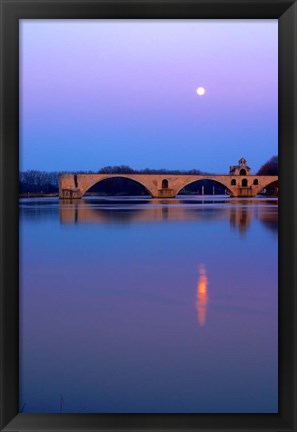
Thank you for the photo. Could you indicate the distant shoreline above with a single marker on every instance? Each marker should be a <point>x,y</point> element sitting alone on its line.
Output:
<point>38,195</point>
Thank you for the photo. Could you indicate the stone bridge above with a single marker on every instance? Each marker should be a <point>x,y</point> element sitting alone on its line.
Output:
<point>165,185</point>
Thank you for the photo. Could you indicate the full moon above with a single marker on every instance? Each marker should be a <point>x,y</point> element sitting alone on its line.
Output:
<point>200,91</point>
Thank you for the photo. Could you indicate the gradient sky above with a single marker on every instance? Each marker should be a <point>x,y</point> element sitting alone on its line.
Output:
<point>122,92</point>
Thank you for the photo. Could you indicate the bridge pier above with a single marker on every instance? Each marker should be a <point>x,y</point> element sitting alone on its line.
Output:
<point>68,187</point>
<point>244,192</point>
<point>70,194</point>
<point>165,193</point>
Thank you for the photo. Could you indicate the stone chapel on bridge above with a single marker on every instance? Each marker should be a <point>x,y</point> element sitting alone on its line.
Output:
<point>240,169</point>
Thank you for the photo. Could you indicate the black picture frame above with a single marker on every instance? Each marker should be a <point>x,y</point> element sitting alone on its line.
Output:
<point>14,10</point>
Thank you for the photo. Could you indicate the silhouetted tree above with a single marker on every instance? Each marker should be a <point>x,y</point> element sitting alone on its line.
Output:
<point>38,181</point>
<point>270,167</point>
<point>122,169</point>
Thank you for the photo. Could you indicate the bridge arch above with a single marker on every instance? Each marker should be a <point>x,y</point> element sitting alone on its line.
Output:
<point>266,184</point>
<point>203,179</point>
<point>114,177</point>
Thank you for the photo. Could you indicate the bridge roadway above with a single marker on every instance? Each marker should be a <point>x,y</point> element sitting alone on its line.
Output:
<point>165,185</point>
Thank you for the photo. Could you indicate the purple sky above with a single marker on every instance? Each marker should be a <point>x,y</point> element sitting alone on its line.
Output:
<point>123,92</point>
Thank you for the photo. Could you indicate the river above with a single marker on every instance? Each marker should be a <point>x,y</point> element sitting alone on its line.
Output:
<point>139,305</point>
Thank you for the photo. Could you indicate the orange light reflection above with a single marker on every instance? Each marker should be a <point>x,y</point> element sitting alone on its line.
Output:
<point>202,298</point>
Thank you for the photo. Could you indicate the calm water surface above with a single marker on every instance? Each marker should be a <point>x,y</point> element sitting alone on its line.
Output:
<point>134,305</point>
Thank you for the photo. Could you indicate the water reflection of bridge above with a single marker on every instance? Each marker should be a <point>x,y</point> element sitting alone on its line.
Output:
<point>240,212</point>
